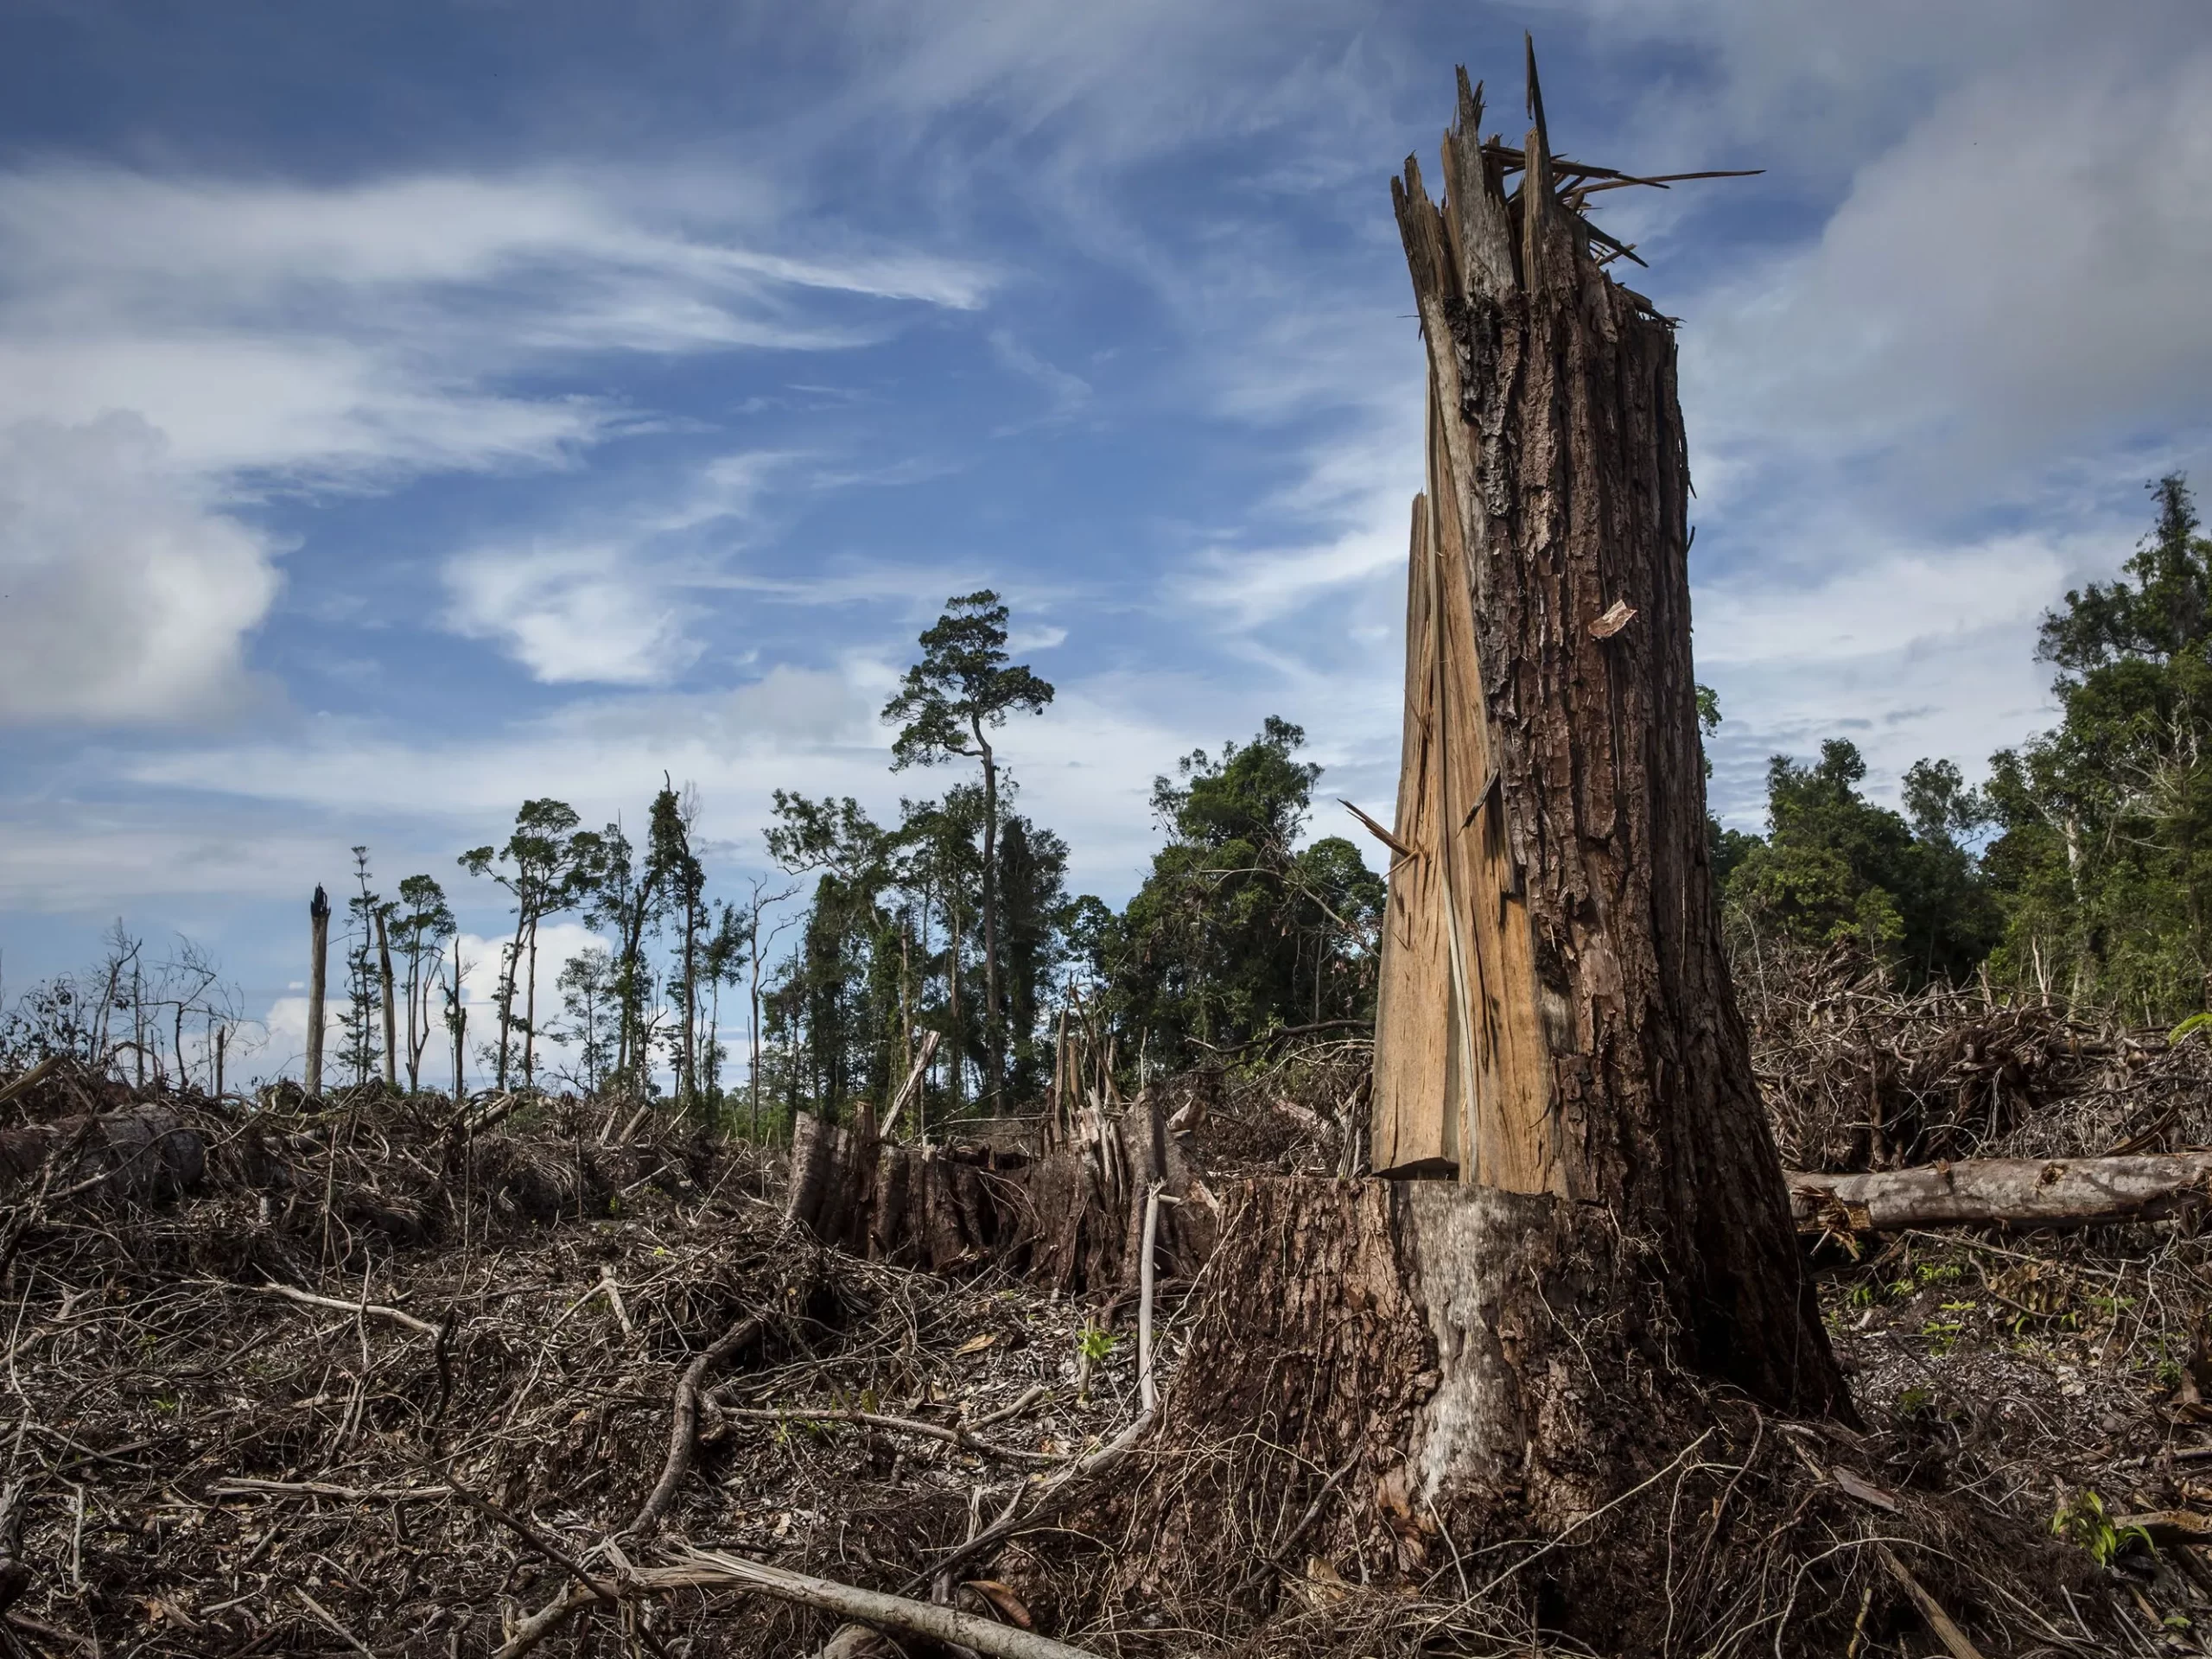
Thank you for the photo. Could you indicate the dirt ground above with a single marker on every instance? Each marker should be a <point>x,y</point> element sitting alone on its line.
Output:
<point>467,1390</point>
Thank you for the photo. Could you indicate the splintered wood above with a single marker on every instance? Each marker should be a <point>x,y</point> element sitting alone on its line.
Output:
<point>1555,1018</point>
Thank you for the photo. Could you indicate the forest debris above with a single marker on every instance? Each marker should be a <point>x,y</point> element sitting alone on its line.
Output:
<point>244,1486</point>
<point>1952,1638</point>
<point>683,1419</point>
<point>1001,1597</point>
<point>2018,1191</point>
<point>956,1434</point>
<point>364,1309</point>
<point>2167,1528</point>
<point>700,1568</point>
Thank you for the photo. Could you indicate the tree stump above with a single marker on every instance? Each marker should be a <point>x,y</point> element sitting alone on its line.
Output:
<point>1385,1373</point>
<point>1556,1015</point>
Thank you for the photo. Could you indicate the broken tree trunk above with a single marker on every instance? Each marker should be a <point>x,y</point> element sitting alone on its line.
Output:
<point>1556,1016</point>
<point>2016,1191</point>
<point>1068,1217</point>
<point>1518,1352</point>
<point>318,967</point>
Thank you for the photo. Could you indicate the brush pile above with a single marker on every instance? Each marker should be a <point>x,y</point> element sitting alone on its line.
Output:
<point>380,1376</point>
<point>1858,1075</point>
<point>363,1378</point>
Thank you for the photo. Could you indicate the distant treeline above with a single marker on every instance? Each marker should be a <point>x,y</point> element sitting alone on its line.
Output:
<point>2079,870</point>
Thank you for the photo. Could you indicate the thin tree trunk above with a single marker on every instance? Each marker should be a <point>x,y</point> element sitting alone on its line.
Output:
<point>512,960</point>
<point>390,1023</point>
<point>952,984</point>
<point>994,1028</point>
<point>412,991</point>
<point>318,975</point>
<point>753,1036</point>
<point>690,1086</point>
<point>529,1015</point>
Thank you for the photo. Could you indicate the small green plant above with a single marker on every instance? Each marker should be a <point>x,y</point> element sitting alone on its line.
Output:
<point>1915,1402</point>
<point>1864,1295</point>
<point>1094,1344</point>
<point>1941,1337</point>
<point>2083,1522</point>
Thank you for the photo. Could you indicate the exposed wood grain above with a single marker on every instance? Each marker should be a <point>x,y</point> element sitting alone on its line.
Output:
<point>1555,1013</point>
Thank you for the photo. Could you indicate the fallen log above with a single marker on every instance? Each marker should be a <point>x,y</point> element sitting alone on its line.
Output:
<point>2015,1191</point>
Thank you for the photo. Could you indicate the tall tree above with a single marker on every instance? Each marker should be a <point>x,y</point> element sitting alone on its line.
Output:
<point>2104,854</point>
<point>1031,884</point>
<point>963,688</point>
<point>721,961</point>
<point>363,982</point>
<point>942,872</point>
<point>1236,929</point>
<point>423,923</point>
<point>587,984</point>
<point>674,870</point>
<point>626,901</point>
<point>828,983</point>
<point>548,866</point>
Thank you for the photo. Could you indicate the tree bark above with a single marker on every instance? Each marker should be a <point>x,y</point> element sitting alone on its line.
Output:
<point>994,1028</point>
<point>2015,1191</point>
<point>318,977</point>
<point>390,1012</point>
<point>1556,1016</point>
<point>530,1014</point>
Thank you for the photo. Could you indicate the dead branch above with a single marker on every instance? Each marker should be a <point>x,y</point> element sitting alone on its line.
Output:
<point>308,1299</point>
<point>951,1435</point>
<point>683,1420</point>
<point>2019,1192</point>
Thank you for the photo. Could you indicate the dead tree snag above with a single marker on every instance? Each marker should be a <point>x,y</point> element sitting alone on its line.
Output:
<point>1556,1016</point>
<point>1409,1369</point>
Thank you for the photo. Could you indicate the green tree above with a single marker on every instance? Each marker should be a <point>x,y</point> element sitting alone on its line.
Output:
<point>590,1000</point>
<point>359,1049</point>
<point>941,872</point>
<point>1031,884</point>
<point>1236,930</point>
<point>547,867</point>
<point>422,922</point>
<point>628,901</point>
<point>2104,854</point>
<point>1835,869</point>
<point>963,689</point>
<point>677,872</point>
<point>824,997</point>
<point>723,958</point>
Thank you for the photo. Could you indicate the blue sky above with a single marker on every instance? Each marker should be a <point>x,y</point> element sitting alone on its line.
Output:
<point>406,410</point>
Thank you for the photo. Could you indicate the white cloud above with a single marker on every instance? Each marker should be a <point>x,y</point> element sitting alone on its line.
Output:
<point>1911,601</point>
<point>352,330</point>
<point>1067,394</point>
<point>571,613</point>
<point>125,594</point>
